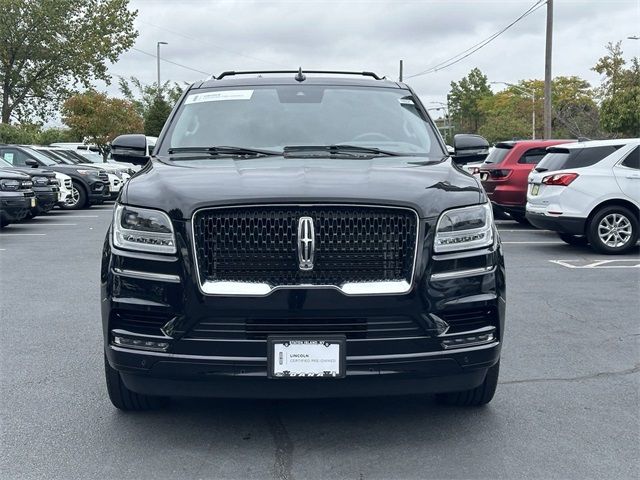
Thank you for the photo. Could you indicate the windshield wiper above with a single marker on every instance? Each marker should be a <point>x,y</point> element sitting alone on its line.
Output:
<point>339,148</point>
<point>223,150</point>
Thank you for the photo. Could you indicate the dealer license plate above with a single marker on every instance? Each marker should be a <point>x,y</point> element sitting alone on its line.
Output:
<point>33,202</point>
<point>535,189</point>
<point>306,357</point>
<point>484,175</point>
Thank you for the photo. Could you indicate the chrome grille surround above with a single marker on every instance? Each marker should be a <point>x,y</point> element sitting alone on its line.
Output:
<point>379,286</point>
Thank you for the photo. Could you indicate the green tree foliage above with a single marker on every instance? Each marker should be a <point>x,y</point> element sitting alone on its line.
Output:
<point>33,134</point>
<point>464,101</point>
<point>144,96</point>
<point>49,47</point>
<point>507,114</point>
<point>153,103</point>
<point>156,116</point>
<point>98,119</point>
<point>619,93</point>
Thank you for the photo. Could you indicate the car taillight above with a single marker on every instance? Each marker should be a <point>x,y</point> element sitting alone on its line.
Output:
<point>562,179</point>
<point>501,174</point>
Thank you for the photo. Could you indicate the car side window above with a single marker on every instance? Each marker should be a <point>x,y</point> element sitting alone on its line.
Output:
<point>633,159</point>
<point>13,156</point>
<point>533,156</point>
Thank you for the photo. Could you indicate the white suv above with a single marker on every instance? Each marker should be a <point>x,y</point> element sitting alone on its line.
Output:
<point>589,192</point>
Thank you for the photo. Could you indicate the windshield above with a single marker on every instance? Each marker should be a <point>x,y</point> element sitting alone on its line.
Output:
<point>276,116</point>
<point>40,157</point>
<point>89,156</point>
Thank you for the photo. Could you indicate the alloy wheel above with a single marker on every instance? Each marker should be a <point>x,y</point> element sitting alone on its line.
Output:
<point>74,198</point>
<point>614,230</point>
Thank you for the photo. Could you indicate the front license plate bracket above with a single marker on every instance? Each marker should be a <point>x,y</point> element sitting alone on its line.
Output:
<point>306,357</point>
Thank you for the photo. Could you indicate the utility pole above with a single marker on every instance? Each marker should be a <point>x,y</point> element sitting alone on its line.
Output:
<point>401,70</point>
<point>158,59</point>
<point>547,71</point>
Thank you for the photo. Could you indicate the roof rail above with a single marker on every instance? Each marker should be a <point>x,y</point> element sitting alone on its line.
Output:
<point>260,72</point>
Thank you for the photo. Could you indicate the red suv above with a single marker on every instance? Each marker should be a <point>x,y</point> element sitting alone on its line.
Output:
<point>504,173</point>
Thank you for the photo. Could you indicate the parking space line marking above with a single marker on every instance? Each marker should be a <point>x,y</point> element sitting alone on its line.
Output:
<point>23,234</point>
<point>599,263</point>
<point>79,216</point>
<point>56,224</point>
<point>526,231</point>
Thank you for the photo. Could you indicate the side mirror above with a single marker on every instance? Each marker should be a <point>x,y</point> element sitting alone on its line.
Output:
<point>130,149</point>
<point>469,148</point>
<point>30,162</point>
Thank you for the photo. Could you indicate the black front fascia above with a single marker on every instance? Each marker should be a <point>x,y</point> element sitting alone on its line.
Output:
<point>228,332</point>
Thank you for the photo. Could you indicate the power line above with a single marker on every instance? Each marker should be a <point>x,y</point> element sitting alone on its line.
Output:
<point>189,37</point>
<point>171,62</point>
<point>474,48</point>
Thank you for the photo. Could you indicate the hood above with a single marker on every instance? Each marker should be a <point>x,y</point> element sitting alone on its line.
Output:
<point>35,172</point>
<point>12,174</point>
<point>182,187</point>
<point>106,167</point>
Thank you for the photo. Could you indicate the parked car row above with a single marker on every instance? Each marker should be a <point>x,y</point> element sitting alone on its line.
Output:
<point>586,191</point>
<point>35,179</point>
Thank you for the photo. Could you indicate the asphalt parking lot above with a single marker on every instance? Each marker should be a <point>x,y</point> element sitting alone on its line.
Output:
<point>567,406</point>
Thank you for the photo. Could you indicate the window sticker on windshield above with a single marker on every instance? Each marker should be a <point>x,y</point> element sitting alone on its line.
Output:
<point>218,96</point>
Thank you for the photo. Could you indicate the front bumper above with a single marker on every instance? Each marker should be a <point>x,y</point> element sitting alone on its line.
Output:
<point>14,206</point>
<point>452,295</point>
<point>557,223</point>
<point>47,197</point>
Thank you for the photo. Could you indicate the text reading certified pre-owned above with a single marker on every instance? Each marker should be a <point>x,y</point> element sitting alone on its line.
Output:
<point>333,250</point>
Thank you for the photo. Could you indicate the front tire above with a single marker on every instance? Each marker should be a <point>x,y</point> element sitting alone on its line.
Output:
<point>576,240</point>
<point>475,397</point>
<point>124,399</point>
<point>613,230</point>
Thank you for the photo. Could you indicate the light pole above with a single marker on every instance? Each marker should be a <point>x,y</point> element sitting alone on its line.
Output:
<point>158,59</point>
<point>445,108</point>
<point>532,94</point>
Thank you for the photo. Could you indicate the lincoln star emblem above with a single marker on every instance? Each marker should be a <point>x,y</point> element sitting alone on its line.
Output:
<point>306,243</point>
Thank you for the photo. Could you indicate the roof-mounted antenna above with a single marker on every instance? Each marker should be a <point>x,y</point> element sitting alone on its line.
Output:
<point>300,76</point>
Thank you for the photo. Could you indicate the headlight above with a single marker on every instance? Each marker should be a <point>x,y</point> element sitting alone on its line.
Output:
<point>464,228</point>
<point>54,181</point>
<point>9,185</point>
<point>143,229</point>
<point>40,181</point>
<point>87,172</point>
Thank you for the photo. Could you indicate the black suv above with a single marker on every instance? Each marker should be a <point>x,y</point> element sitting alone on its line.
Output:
<point>16,196</point>
<point>90,185</point>
<point>301,235</point>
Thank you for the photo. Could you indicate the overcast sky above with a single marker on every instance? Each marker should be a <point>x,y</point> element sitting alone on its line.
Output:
<point>213,36</point>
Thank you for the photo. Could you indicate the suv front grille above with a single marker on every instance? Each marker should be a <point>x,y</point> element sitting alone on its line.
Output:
<point>260,245</point>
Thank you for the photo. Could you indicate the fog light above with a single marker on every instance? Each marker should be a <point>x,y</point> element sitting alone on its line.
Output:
<point>141,344</point>
<point>468,341</point>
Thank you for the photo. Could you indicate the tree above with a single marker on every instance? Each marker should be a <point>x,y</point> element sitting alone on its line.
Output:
<point>49,47</point>
<point>464,101</point>
<point>153,103</point>
<point>98,119</point>
<point>507,114</point>
<point>619,93</point>
<point>143,96</point>
<point>156,116</point>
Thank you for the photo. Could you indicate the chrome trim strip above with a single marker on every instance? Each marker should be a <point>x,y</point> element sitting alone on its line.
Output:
<point>159,277</point>
<point>244,289</point>
<point>264,359</point>
<point>472,272</point>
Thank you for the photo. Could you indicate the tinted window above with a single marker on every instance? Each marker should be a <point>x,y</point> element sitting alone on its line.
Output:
<point>276,116</point>
<point>533,156</point>
<point>560,159</point>
<point>497,154</point>
<point>633,159</point>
